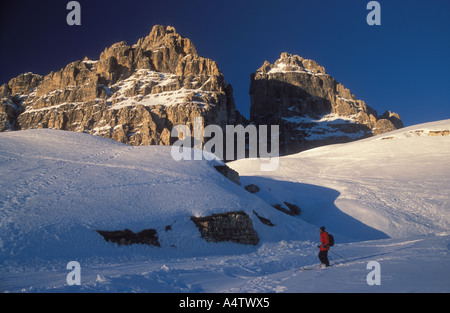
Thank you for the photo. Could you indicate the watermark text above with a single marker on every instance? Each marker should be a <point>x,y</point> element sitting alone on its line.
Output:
<point>239,141</point>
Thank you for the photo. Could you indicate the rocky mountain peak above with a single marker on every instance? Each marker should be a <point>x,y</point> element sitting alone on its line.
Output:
<point>311,107</point>
<point>133,94</point>
<point>137,93</point>
<point>166,37</point>
<point>291,63</point>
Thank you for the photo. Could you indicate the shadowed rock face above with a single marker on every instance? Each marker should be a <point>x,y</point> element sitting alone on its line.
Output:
<point>128,237</point>
<point>228,172</point>
<point>230,226</point>
<point>132,94</point>
<point>310,106</point>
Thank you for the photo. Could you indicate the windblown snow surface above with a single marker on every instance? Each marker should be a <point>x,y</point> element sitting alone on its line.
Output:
<point>385,199</point>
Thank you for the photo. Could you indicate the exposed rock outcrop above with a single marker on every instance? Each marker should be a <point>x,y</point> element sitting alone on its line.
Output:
<point>230,226</point>
<point>263,220</point>
<point>292,209</point>
<point>128,237</point>
<point>132,94</point>
<point>229,173</point>
<point>310,106</point>
<point>439,133</point>
<point>252,188</point>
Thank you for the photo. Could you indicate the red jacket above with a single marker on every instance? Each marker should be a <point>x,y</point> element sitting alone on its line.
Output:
<point>325,241</point>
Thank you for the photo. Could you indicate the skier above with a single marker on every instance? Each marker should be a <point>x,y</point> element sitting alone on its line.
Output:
<point>324,247</point>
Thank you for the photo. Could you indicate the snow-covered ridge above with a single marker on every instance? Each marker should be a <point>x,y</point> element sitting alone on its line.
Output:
<point>396,188</point>
<point>428,129</point>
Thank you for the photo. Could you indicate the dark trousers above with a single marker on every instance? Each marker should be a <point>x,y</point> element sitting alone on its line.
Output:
<point>323,257</point>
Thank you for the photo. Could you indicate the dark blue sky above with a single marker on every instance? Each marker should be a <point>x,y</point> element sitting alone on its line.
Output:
<point>402,65</point>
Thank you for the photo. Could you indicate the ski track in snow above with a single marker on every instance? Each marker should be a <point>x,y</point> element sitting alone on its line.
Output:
<point>258,272</point>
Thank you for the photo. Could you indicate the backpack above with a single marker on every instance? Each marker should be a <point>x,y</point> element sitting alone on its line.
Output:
<point>331,240</point>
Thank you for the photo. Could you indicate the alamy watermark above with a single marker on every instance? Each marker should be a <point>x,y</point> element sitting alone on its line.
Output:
<point>374,277</point>
<point>374,16</point>
<point>74,16</point>
<point>74,276</point>
<point>239,141</point>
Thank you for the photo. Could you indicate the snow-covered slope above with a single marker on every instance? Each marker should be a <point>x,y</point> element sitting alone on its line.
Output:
<point>58,188</point>
<point>385,199</point>
<point>392,185</point>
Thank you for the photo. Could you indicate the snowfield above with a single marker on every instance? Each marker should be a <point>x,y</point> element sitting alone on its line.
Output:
<point>385,199</point>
